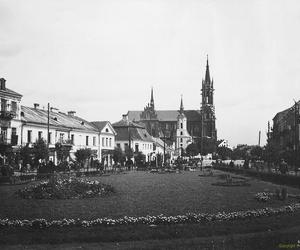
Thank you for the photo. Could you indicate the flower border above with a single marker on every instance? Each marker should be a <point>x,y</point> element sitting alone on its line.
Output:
<point>189,218</point>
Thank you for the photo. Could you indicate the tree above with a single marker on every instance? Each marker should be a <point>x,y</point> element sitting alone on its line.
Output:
<point>62,152</point>
<point>40,151</point>
<point>206,145</point>
<point>224,152</point>
<point>82,155</point>
<point>26,155</point>
<point>256,152</point>
<point>118,155</point>
<point>241,152</point>
<point>128,152</point>
<point>192,149</point>
<point>140,159</point>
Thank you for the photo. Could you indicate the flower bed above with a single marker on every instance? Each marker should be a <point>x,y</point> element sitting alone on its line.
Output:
<point>263,196</point>
<point>191,218</point>
<point>65,188</point>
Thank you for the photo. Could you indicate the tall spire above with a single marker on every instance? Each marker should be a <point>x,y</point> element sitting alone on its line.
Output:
<point>207,75</point>
<point>152,99</point>
<point>181,105</point>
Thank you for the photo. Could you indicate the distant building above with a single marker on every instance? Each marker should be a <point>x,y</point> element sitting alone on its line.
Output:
<point>285,132</point>
<point>10,115</point>
<point>107,144</point>
<point>134,136</point>
<point>163,123</point>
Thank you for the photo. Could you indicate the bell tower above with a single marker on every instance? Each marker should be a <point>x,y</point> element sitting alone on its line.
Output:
<point>208,117</point>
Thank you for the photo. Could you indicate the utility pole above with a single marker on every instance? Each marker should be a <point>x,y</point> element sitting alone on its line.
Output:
<point>296,136</point>
<point>259,133</point>
<point>164,149</point>
<point>48,129</point>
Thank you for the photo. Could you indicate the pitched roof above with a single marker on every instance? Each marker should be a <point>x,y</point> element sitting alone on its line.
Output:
<point>10,92</point>
<point>140,134</point>
<point>58,119</point>
<point>167,115</point>
<point>127,123</point>
<point>99,124</point>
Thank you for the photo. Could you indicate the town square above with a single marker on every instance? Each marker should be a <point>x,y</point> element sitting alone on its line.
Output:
<point>149,124</point>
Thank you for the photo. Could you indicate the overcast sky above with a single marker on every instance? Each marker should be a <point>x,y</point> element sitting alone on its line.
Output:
<point>100,58</point>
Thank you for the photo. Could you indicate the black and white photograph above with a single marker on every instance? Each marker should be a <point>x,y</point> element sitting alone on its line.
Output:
<point>150,124</point>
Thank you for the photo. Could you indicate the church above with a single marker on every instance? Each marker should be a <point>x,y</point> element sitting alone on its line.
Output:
<point>181,126</point>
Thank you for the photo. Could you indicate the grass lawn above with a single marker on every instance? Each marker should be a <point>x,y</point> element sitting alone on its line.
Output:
<point>142,193</point>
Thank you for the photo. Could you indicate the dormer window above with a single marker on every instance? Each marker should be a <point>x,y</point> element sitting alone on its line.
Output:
<point>55,118</point>
<point>82,123</point>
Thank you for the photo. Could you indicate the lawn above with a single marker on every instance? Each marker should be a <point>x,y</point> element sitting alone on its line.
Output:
<point>142,193</point>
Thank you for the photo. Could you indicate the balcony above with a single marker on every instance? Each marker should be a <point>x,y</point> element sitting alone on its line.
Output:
<point>67,142</point>
<point>7,115</point>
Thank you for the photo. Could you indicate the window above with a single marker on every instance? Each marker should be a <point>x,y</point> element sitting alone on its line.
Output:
<point>13,131</point>
<point>13,106</point>
<point>136,147</point>
<point>181,133</point>
<point>94,141</point>
<point>110,142</point>
<point>106,142</point>
<point>181,125</point>
<point>72,139</point>
<point>103,142</point>
<point>29,136</point>
<point>14,137</point>
<point>181,140</point>
<point>61,137</point>
<point>49,138</point>
<point>106,130</point>
<point>126,145</point>
<point>87,140</point>
<point>40,133</point>
<point>118,145</point>
<point>3,105</point>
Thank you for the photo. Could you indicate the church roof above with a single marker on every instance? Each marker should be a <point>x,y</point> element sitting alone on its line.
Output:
<point>167,115</point>
<point>126,123</point>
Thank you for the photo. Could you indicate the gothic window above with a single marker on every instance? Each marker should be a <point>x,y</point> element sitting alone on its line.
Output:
<point>181,133</point>
<point>181,140</point>
<point>181,125</point>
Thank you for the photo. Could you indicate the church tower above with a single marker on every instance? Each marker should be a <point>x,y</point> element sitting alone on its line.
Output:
<point>208,123</point>
<point>149,118</point>
<point>183,139</point>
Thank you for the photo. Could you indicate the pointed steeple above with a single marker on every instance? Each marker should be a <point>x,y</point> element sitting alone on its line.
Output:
<point>207,75</point>
<point>181,105</point>
<point>152,99</point>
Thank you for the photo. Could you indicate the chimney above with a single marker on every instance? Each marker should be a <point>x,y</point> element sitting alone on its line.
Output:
<point>36,105</point>
<point>125,117</point>
<point>2,84</point>
<point>71,113</point>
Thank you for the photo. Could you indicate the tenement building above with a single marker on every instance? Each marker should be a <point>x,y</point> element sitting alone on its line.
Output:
<point>23,125</point>
<point>286,128</point>
<point>164,123</point>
